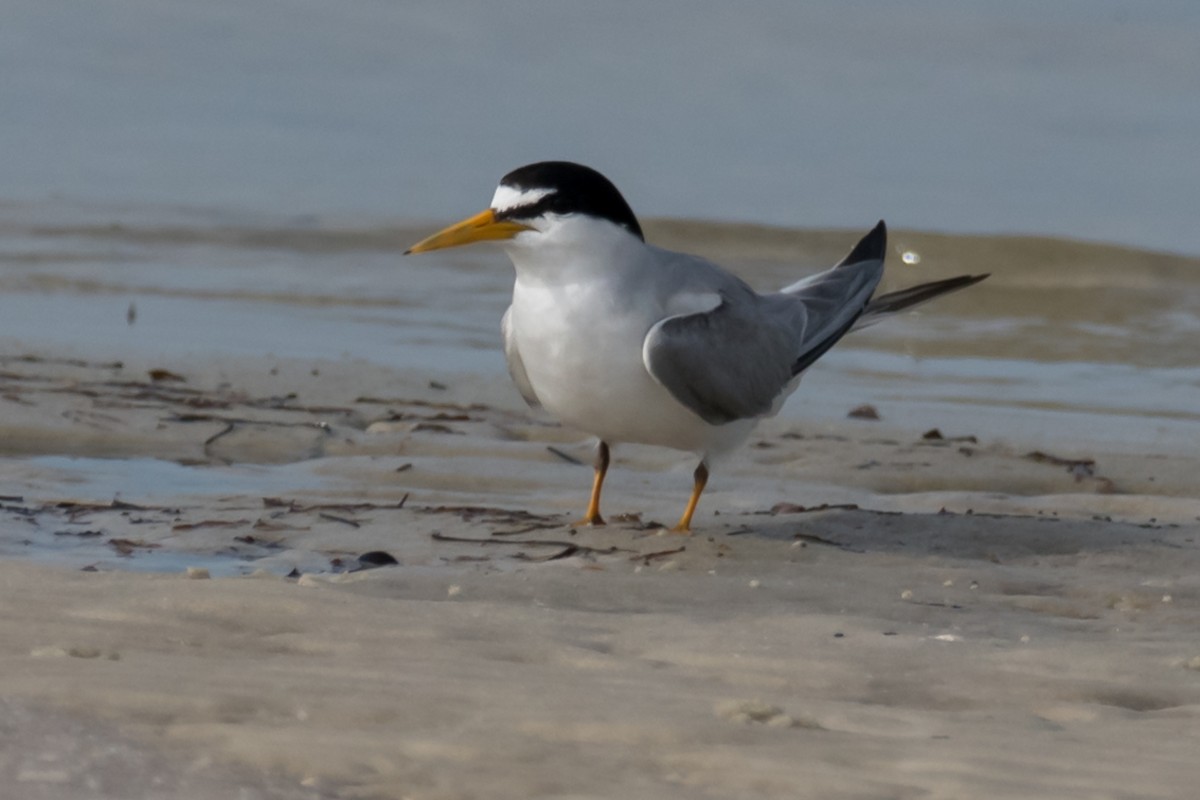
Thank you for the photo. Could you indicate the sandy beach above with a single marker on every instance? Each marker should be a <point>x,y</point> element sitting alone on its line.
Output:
<point>275,524</point>
<point>863,612</point>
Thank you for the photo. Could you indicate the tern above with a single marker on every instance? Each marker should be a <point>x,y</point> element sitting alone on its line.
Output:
<point>633,343</point>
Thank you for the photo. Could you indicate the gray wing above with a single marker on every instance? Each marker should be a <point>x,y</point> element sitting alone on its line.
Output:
<point>736,360</point>
<point>516,367</point>
<point>724,364</point>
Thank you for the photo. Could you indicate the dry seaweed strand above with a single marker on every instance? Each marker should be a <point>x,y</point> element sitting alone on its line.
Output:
<point>296,507</point>
<point>567,546</point>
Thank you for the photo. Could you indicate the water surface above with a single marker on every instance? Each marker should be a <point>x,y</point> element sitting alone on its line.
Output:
<point>1071,341</point>
<point>1074,119</point>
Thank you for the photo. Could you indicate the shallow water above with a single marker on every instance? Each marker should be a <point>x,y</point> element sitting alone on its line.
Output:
<point>1070,119</point>
<point>83,541</point>
<point>225,175</point>
<point>222,180</point>
<point>66,548</point>
<point>1074,341</point>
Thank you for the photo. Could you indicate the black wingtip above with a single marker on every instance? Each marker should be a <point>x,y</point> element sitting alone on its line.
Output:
<point>870,248</point>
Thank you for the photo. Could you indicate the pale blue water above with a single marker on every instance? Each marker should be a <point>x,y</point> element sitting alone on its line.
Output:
<point>1073,119</point>
<point>1081,353</point>
<point>55,538</point>
<point>1076,119</point>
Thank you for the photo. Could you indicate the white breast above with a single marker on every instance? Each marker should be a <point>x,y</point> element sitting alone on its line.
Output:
<point>586,295</point>
<point>583,355</point>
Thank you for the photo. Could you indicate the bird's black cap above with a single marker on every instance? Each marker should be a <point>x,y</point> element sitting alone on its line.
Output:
<point>573,189</point>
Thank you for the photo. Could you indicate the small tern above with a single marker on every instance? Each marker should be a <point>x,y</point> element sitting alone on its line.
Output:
<point>633,343</point>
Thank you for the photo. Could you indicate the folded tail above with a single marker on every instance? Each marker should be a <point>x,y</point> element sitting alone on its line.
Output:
<point>893,302</point>
<point>839,300</point>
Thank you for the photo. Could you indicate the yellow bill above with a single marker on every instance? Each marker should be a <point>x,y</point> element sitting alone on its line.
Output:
<point>480,228</point>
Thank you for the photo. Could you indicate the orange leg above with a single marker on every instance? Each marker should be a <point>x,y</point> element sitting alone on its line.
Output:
<point>601,469</point>
<point>700,480</point>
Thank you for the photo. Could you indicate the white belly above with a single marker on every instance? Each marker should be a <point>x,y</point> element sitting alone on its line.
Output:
<point>584,361</point>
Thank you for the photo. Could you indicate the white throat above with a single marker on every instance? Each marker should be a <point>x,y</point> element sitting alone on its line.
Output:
<point>574,248</point>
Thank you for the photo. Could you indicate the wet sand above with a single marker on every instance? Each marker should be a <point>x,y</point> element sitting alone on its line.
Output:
<point>213,362</point>
<point>864,610</point>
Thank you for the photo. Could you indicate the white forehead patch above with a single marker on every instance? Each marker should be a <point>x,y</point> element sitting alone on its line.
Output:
<point>507,197</point>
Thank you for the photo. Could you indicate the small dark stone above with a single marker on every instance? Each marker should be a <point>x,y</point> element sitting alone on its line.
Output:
<point>865,411</point>
<point>159,374</point>
<point>377,558</point>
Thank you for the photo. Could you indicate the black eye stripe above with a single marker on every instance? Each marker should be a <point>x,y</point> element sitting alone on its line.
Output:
<point>572,189</point>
